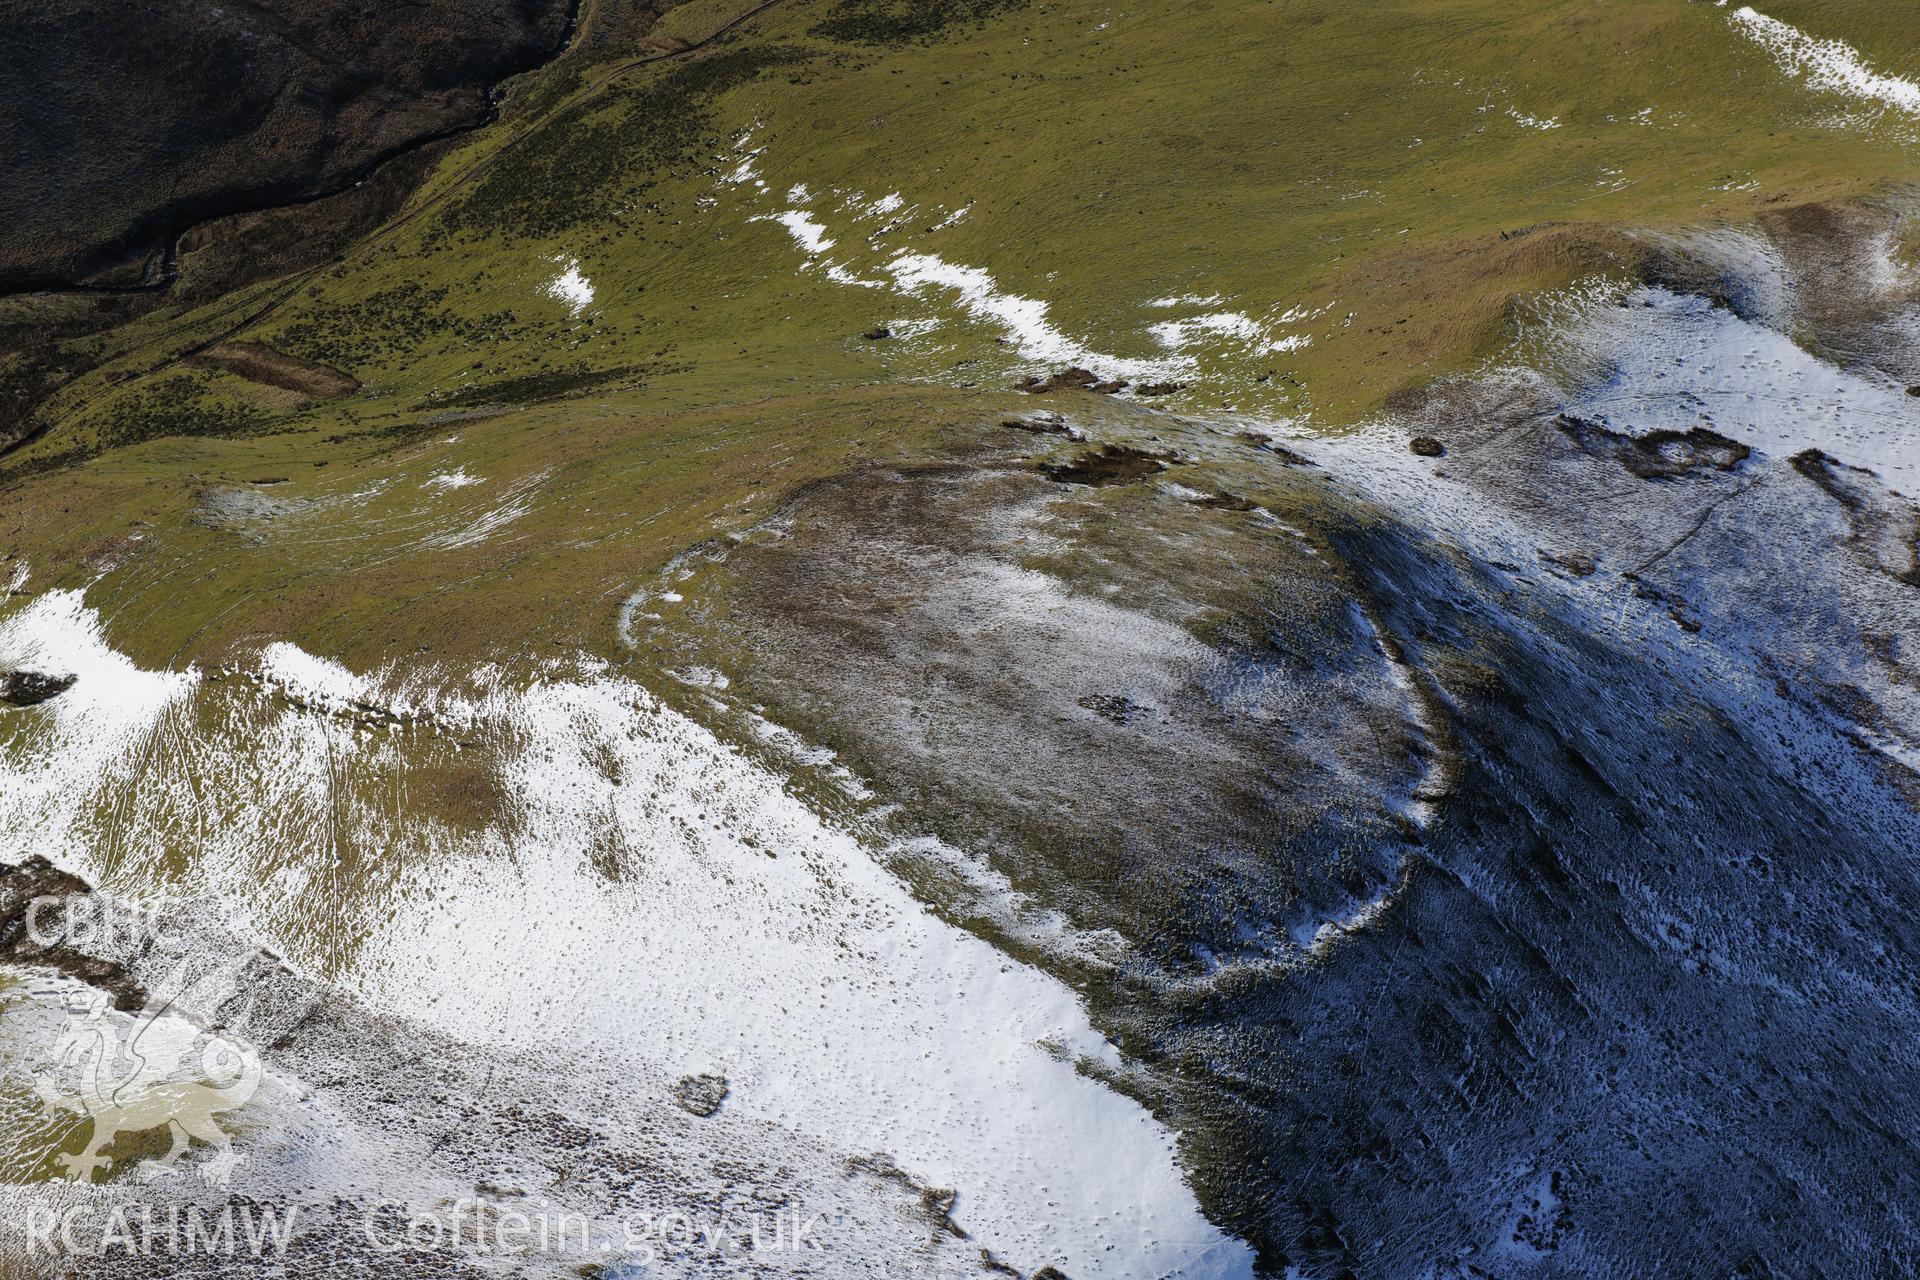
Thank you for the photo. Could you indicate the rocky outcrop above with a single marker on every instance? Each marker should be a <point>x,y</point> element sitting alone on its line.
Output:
<point>700,1095</point>
<point>1110,464</point>
<point>1656,455</point>
<point>33,935</point>
<point>31,688</point>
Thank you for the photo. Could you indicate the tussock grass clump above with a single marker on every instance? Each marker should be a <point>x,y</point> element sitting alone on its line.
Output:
<point>178,406</point>
<point>392,322</point>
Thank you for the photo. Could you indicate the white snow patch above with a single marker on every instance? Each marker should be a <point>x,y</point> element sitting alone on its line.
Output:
<point>58,758</point>
<point>484,525</point>
<point>57,634</point>
<point>956,216</point>
<point>570,287</point>
<point>456,479</point>
<point>1831,66</point>
<point>1679,362</point>
<point>743,933</point>
<point>992,894</point>
<point>1180,335</point>
<point>837,1005</point>
<point>1526,121</point>
<point>806,230</point>
<point>745,168</point>
<point>1025,319</point>
<point>308,678</point>
<point>840,275</point>
<point>811,235</point>
<point>911,328</point>
<point>514,503</point>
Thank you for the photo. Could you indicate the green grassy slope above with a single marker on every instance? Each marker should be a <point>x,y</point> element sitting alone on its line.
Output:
<point>1351,199</point>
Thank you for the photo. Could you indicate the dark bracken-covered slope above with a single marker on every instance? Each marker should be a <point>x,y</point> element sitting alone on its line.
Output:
<point>128,120</point>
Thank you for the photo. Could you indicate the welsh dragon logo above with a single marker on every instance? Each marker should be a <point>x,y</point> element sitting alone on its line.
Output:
<point>156,1069</point>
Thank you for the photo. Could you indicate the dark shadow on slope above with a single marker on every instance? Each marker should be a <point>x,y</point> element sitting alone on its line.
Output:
<point>1647,1000</point>
<point>129,123</point>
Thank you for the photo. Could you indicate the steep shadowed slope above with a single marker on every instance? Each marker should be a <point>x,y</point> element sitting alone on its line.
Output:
<point>125,122</point>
